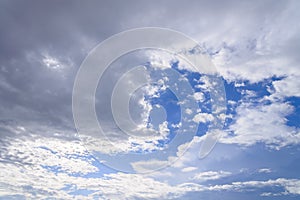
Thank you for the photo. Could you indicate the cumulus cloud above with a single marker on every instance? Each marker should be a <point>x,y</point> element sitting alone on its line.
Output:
<point>262,123</point>
<point>28,170</point>
<point>67,156</point>
<point>287,87</point>
<point>203,118</point>
<point>199,96</point>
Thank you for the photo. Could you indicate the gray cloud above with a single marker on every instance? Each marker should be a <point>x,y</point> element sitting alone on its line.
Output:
<point>66,31</point>
<point>42,44</point>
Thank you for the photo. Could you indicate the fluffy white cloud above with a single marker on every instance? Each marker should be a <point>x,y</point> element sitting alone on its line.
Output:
<point>265,49</point>
<point>67,156</point>
<point>203,118</point>
<point>286,87</point>
<point>26,171</point>
<point>262,123</point>
<point>160,59</point>
<point>42,167</point>
<point>163,129</point>
<point>199,96</point>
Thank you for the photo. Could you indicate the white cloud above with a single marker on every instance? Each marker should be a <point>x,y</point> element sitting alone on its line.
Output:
<point>261,44</point>
<point>264,170</point>
<point>163,129</point>
<point>262,123</point>
<point>52,63</point>
<point>263,52</point>
<point>292,186</point>
<point>203,118</point>
<point>23,173</point>
<point>287,87</point>
<point>199,96</point>
<point>188,111</point>
<point>68,156</point>
<point>160,59</point>
<point>189,169</point>
<point>123,145</point>
<point>142,132</point>
<point>210,175</point>
<point>26,171</point>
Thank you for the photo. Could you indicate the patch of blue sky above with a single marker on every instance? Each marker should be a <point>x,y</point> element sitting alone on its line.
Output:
<point>224,195</point>
<point>14,197</point>
<point>82,192</point>
<point>232,95</point>
<point>103,169</point>
<point>245,163</point>
<point>72,190</point>
<point>251,159</point>
<point>54,168</point>
<point>58,169</point>
<point>232,92</point>
<point>193,78</point>
<point>205,106</point>
<point>238,94</point>
<point>294,118</point>
<point>250,194</point>
<point>169,101</point>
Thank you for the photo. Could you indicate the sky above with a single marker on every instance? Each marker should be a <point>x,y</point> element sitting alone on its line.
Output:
<point>227,128</point>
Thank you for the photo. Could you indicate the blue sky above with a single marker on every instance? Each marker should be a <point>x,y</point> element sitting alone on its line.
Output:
<point>250,102</point>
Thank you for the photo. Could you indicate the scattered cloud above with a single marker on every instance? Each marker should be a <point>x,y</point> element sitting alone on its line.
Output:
<point>264,170</point>
<point>210,175</point>
<point>290,185</point>
<point>189,169</point>
<point>248,43</point>
<point>262,123</point>
<point>199,96</point>
<point>203,118</point>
